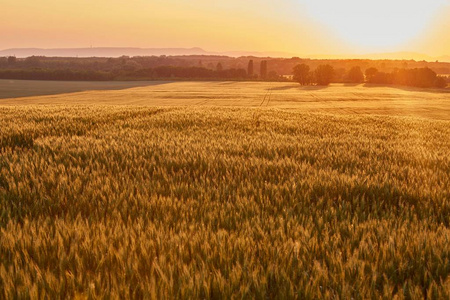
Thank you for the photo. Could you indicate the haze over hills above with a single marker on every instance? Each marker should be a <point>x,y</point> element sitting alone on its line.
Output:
<point>130,51</point>
<point>101,52</point>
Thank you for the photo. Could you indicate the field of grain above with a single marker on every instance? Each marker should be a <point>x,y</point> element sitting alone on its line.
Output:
<point>190,202</point>
<point>334,99</point>
<point>216,202</point>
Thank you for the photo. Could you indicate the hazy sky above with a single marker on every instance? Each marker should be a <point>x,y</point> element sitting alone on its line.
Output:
<point>294,26</point>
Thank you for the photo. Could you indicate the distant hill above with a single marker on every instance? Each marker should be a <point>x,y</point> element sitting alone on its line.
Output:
<point>100,52</point>
<point>117,52</point>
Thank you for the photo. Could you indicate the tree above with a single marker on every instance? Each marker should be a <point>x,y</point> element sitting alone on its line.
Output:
<point>340,75</point>
<point>324,74</point>
<point>12,60</point>
<point>370,73</point>
<point>355,75</point>
<point>273,75</point>
<point>424,77</point>
<point>381,78</point>
<point>419,77</point>
<point>32,61</point>
<point>219,67</point>
<point>250,68</point>
<point>302,74</point>
<point>263,69</point>
<point>440,82</point>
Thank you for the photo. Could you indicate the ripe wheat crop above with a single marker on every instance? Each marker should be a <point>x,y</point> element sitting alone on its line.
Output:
<point>189,202</point>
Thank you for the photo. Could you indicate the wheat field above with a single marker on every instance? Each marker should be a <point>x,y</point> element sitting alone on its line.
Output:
<point>224,201</point>
<point>334,99</point>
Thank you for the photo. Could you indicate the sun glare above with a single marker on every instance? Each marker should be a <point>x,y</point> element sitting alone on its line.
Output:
<point>375,25</point>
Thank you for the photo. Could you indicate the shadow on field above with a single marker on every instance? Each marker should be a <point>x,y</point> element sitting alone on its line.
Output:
<point>228,83</point>
<point>300,87</point>
<point>27,88</point>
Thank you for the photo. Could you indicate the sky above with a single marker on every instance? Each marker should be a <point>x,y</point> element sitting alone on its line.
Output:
<point>293,26</point>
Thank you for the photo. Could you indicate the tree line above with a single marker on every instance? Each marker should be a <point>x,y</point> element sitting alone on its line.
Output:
<point>158,73</point>
<point>418,77</point>
<point>217,68</point>
<point>171,72</point>
<point>325,74</point>
<point>282,66</point>
<point>130,68</point>
<point>124,68</point>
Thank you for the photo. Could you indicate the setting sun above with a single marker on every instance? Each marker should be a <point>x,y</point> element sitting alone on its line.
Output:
<point>375,25</point>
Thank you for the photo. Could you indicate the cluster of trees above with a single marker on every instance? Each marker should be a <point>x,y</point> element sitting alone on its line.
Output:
<point>170,72</point>
<point>418,77</point>
<point>325,74</point>
<point>342,66</point>
<point>322,75</point>
<point>163,72</point>
<point>264,74</point>
<point>282,66</point>
<point>126,68</point>
<point>306,71</point>
<point>354,75</point>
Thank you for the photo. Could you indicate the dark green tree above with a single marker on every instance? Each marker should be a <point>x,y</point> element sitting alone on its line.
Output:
<point>324,74</point>
<point>263,69</point>
<point>250,68</point>
<point>440,82</point>
<point>272,75</point>
<point>12,60</point>
<point>370,74</point>
<point>355,75</point>
<point>302,74</point>
<point>32,61</point>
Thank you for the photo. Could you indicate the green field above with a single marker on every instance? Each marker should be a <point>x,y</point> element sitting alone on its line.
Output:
<point>226,190</point>
<point>28,88</point>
